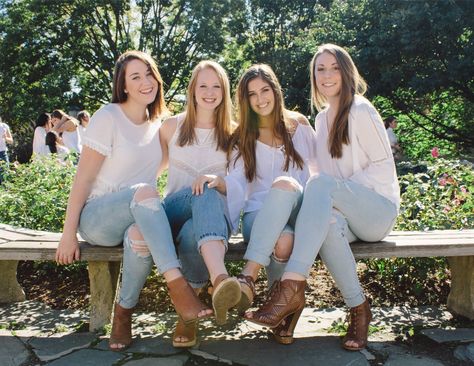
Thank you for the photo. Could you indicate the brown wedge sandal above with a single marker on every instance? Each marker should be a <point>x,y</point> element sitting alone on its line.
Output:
<point>282,309</point>
<point>189,331</point>
<point>225,295</point>
<point>247,290</point>
<point>185,301</point>
<point>121,334</point>
<point>359,319</point>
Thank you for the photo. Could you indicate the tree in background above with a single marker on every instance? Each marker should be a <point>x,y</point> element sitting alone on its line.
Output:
<point>417,56</point>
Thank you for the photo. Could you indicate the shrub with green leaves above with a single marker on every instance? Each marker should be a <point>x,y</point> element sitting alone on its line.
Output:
<point>440,198</point>
<point>35,195</point>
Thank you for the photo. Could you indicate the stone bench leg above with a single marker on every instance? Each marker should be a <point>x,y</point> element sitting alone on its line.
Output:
<point>103,277</point>
<point>10,289</point>
<point>461,296</point>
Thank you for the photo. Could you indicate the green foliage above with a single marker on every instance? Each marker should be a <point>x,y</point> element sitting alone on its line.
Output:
<point>440,198</point>
<point>35,195</point>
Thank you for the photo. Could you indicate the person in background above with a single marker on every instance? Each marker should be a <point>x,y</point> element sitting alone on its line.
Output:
<point>390,125</point>
<point>5,138</point>
<point>67,127</point>
<point>43,125</point>
<point>83,117</point>
<point>54,145</point>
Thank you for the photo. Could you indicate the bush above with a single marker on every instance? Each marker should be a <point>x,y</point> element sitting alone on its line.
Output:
<point>35,195</point>
<point>440,198</point>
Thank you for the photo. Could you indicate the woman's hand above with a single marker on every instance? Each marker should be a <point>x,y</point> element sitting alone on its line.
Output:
<point>213,181</point>
<point>68,249</point>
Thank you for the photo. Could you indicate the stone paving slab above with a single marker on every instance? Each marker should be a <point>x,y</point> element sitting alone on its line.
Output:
<point>152,346</point>
<point>400,356</point>
<point>305,351</point>
<point>450,335</point>
<point>12,350</point>
<point>47,349</point>
<point>159,361</point>
<point>88,357</point>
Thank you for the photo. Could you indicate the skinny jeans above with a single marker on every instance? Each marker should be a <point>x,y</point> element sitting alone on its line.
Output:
<point>334,213</point>
<point>261,229</point>
<point>105,221</point>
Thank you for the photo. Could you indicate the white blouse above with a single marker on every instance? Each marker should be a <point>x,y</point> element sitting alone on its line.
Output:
<point>188,162</point>
<point>367,159</point>
<point>133,152</point>
<point>39,141</point>
<point>249,196</point>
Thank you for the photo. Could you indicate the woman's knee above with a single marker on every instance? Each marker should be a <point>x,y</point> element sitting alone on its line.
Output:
<point>319,181</point>
<point>283,247</point>
<point>286,184</point>
<point>136,242</point>
<point>145,192</point>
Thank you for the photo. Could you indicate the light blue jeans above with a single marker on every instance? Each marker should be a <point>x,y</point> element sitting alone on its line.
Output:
<point>333,214</point>
<point>261,229</point>
<point>195,220</point>
<point>105,221</point>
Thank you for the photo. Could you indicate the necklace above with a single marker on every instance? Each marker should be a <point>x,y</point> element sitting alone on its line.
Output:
<point>205,140</point>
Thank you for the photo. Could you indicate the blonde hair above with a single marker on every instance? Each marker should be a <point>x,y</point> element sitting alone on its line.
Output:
<point>352,83</point>
<point>222,113</point>
<point>247,133</point>
<point>155,109</point>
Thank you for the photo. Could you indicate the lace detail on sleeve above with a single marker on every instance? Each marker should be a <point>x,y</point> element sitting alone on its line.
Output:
<point>94,145</point>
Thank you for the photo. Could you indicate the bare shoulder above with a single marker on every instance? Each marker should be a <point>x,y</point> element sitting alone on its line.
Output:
<point>168,127</point>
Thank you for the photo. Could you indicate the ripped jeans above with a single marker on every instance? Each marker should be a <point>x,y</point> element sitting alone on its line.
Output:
<point>106,221</point>
<point>261,229</point>
<point>195,220</point>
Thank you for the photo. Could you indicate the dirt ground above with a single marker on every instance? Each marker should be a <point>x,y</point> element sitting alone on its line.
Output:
<point>62,288</point>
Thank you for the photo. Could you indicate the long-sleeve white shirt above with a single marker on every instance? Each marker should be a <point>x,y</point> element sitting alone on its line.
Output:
<point>367,159</point>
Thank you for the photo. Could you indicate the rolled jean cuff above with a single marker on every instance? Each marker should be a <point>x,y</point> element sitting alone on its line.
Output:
<point>254,256</point>
<point>354,301</point>
<point>299,267</point>
<point>212,237</point>
<point>170,265</point>
<point>197,284</point>
<point>127,304</point>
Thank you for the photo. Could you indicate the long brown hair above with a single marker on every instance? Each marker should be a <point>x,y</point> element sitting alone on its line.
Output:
<point>155,109</point>
<point>222,113</point>
<point>246,135</point>
<point>352,83</point>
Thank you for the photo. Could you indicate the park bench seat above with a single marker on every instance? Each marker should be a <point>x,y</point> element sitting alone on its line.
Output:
<point>104,263</point>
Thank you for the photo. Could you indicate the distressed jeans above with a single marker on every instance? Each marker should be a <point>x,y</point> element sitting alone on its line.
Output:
<point>195,220</point>
<point>262,228</point>
<point>105,221</point>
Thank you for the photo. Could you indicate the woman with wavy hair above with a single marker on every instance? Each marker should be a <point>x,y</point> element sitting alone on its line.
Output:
<point>354,196</point>
<point>271,153</point>
<point>114,196</point>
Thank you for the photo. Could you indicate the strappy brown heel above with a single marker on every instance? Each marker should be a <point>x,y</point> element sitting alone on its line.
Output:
<point>225,295</point>
<point>185,301</point>
<point>285,303</point>
<point>247,290</point>
<point>121,334</point>
<point>359,319</point>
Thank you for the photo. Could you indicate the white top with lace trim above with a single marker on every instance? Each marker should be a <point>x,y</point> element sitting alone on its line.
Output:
<point>133,152</point>
<point>188,162</point>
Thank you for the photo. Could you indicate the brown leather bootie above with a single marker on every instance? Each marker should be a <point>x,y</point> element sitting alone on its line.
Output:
<point>121,334</point>
<point>358,331</point>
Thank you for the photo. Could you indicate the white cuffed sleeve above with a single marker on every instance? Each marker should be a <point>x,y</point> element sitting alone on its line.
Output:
<point>100,132</point>
<point>236,187</point>
<point>372,139</point>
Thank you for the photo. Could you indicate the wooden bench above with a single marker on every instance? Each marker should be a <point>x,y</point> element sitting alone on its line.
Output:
<point>104,263</point>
